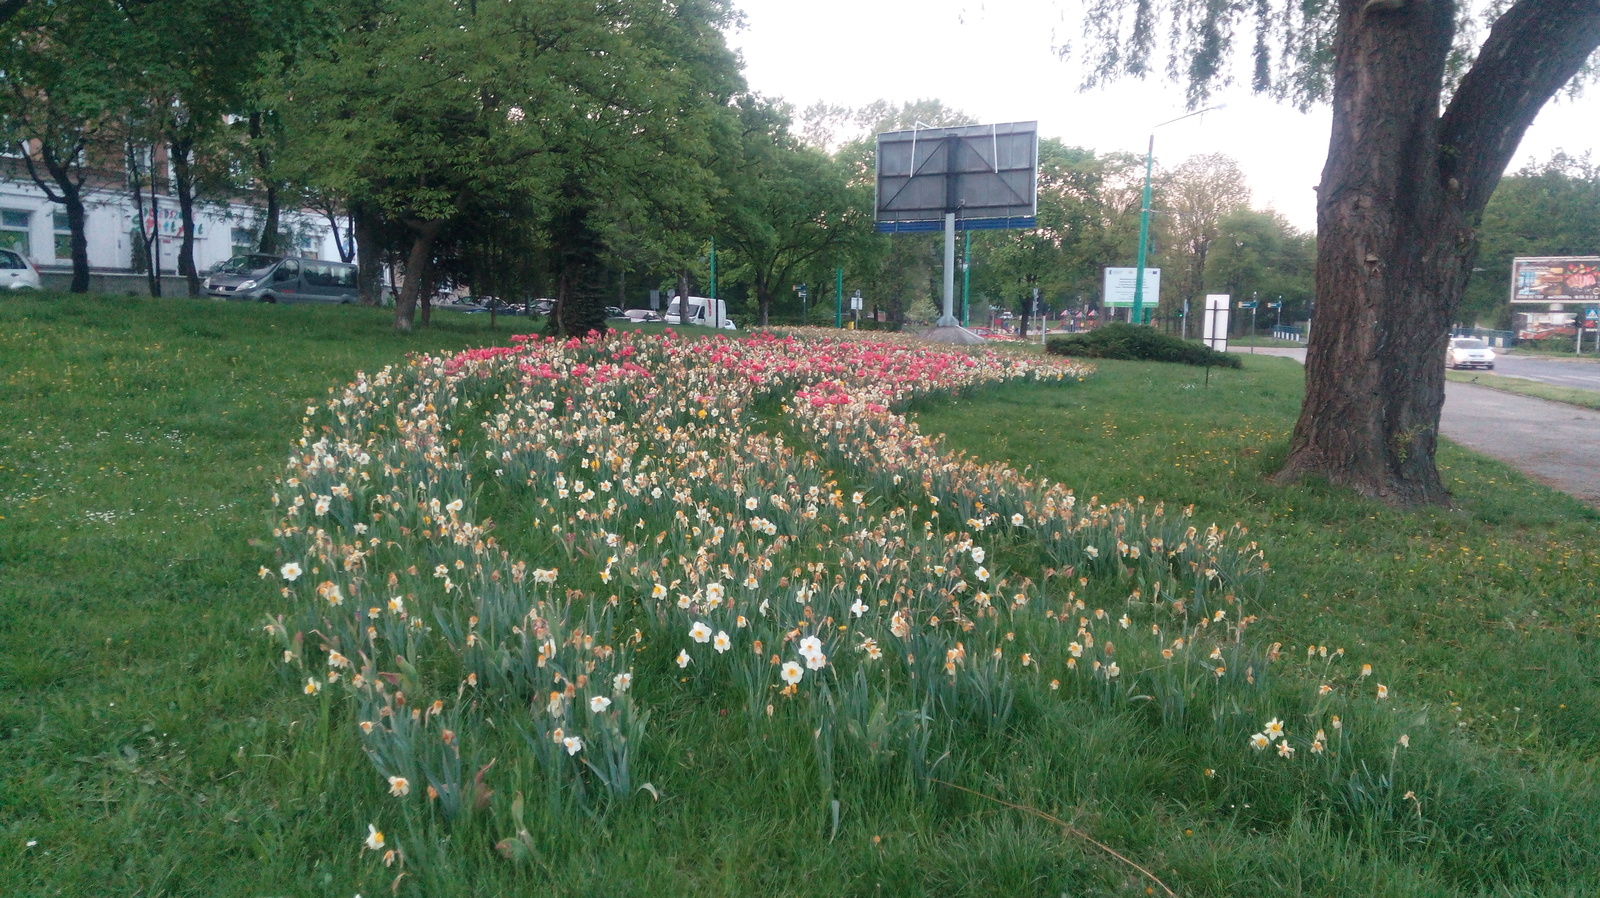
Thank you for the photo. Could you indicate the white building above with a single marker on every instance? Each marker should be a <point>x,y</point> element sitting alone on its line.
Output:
<point>34,226</point>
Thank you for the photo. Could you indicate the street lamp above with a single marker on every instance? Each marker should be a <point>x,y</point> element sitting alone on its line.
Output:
<point>1144,213</point>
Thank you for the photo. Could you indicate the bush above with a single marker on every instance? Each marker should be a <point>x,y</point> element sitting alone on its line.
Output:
<point>1125,341</point>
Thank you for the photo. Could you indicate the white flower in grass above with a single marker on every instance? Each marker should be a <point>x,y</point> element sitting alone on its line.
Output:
<point>1259,741</point>
<point>700,632</point>
<point>721,642</point>
<point>859,608</point>
<point>792,673</point>
<point>599,704</point>
<point>291,571</point>
<point>982,573</point>
<point>810,646</point>
<point>573,744</point>
<point>374,839</point>
<point>683,658</point>
<point>621,682</point>
<point>978,554</point>
<point>1016,520</point>
<point>752,503</point>
<point>399,786</point>
<point>817,661</point>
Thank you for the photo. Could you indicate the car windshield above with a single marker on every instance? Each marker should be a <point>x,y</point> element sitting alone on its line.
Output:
<point>1470,343</point>
<point>247,264</point>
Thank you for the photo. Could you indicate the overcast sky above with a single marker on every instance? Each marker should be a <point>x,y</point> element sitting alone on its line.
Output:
<point>996,62</point>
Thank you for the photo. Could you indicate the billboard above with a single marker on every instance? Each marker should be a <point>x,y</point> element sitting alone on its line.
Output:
<point>1548,279</point>
<point>1119,286</point>
<point>987,175</point>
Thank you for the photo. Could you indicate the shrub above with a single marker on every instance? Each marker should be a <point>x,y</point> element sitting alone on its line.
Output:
<point>1125,341</point>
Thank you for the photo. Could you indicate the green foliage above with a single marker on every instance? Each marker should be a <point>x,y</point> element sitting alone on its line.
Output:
<point>1260,255</point>
<point>1543,210</point>
<point>1125,341</point>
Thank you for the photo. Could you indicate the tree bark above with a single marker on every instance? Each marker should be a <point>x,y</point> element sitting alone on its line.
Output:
<point>183,181</point>
<point>68,192</point>
<point>1401,195</point>
<point>365,226</point>
<point>405,307</point>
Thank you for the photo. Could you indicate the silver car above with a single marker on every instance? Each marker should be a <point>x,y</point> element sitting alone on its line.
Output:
<point>1469,352</point>
<point>17,271</point>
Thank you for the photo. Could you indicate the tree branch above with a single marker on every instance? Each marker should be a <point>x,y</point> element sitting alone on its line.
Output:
<point>1533,50</point>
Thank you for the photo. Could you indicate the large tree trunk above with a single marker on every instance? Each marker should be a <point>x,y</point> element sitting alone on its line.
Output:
<point>368,258</point>
<point>183,181</point>
<point>68,191</point>
<point>405,308</point>
<point>1400,197</point>
<point>763,301</point>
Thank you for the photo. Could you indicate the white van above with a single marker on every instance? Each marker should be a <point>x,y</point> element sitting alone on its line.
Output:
<point>703,311</point>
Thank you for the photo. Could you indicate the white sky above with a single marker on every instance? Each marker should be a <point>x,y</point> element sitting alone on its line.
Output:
<point>994,60</point>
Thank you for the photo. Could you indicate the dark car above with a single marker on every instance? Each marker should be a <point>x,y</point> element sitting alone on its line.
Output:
<point>224,279</point>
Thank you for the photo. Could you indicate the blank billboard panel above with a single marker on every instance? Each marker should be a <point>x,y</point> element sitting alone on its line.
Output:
<point>987,175</point>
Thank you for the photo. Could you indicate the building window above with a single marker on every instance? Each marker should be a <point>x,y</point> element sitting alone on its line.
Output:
<point>243,242</point>
<point>14,231</point>
<point>308,248</point>
<point>63,235</point>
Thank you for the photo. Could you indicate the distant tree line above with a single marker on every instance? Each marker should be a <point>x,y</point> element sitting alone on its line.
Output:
<point>580,151</point>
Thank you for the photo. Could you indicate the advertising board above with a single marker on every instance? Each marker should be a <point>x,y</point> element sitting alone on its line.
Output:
<point>1548,279</point>
<point>1119,284</point>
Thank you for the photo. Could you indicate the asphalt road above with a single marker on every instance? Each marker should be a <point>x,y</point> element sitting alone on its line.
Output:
<point>1554,443</point>
<point>1582,372</point>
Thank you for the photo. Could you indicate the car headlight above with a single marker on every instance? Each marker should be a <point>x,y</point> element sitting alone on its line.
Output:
<point>247,285</point>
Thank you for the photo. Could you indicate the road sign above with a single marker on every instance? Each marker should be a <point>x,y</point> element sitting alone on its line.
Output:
<point>1247,304</point>
<point>1592,315</point>
<point>1274,305</point>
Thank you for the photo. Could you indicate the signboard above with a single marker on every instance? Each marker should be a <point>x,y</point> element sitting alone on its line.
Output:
<point>1550,279</point>
<point>1247,304</point>
<point>1215,327</point>
<point>1120,283</point>
<point>986,175</point>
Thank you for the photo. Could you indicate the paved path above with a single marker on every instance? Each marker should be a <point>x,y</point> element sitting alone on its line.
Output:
<point>1554,443</point>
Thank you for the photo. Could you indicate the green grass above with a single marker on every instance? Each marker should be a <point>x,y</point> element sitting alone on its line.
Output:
<point>151,747</point>
<point>1524,387</point>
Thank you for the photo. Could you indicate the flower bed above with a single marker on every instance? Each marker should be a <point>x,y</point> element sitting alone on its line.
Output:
<point>668,539</point>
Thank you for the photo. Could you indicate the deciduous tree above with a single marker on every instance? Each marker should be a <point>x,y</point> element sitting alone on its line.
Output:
<point>1415,155</point>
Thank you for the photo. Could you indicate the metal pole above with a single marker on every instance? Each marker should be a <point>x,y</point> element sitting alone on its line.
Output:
<point>1137,313</point>
<point>949,319</point>
<point>838,290</point>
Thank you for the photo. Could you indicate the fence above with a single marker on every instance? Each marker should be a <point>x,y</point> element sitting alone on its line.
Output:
<point>1495,338</point>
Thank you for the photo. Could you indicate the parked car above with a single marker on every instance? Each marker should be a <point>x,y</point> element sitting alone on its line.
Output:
<point>17,271</point>
<point>224,278</point>
<point>267,278</point>
<point>1469,352</point>
<point>641,316</point>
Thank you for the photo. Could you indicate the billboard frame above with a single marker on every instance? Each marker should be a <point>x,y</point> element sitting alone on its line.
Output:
<point>1545,273</point>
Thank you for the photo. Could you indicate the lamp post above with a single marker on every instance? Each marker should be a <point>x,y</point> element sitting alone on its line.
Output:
<point>1144,213</point>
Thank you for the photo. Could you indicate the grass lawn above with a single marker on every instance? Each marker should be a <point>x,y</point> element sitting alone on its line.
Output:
<point>151,745</point>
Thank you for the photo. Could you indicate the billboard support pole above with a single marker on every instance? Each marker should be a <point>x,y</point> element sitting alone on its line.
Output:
<point>949,319</point>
